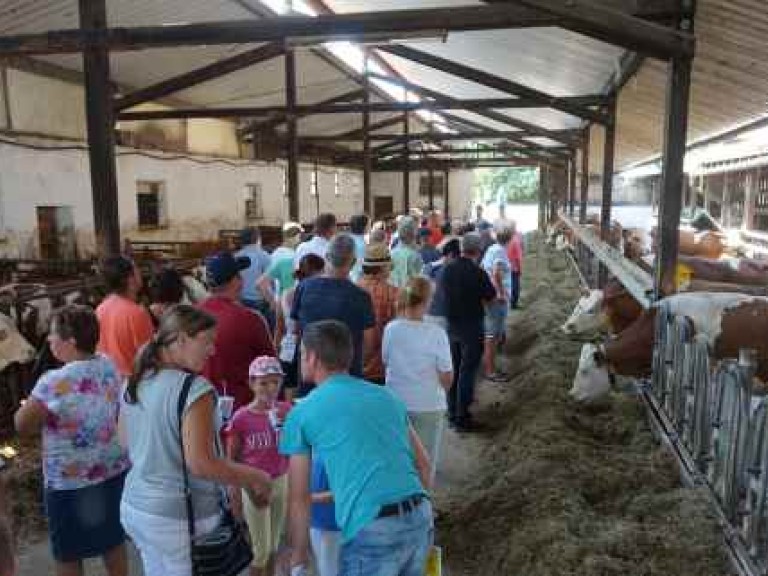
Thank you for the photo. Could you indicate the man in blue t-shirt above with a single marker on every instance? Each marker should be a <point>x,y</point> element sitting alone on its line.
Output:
<point>377,468</point>
<point>334,297</point>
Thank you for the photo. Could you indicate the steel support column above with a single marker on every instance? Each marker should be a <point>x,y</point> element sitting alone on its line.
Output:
<point>607,198</point>
<point>292,135</point>
<point>584,178</point>
<point>100,122</point>
<point>672,175</point>
<point>367,163</point>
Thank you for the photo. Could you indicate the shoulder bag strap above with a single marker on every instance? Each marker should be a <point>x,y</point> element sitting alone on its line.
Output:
<point>183,395</point>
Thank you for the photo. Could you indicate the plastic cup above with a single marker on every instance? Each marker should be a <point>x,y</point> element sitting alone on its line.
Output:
<point>226,406</point>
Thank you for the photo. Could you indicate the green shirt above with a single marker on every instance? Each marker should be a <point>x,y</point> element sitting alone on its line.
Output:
<point>281,269</point>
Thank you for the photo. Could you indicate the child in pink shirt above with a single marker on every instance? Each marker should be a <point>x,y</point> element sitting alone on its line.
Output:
<point>252,439</point>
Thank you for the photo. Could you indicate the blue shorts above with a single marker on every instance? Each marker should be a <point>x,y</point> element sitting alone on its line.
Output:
<point>85,522</point>
<point>495,319</point>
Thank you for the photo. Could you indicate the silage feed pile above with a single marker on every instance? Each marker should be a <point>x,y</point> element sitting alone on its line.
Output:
<point>570,490</point>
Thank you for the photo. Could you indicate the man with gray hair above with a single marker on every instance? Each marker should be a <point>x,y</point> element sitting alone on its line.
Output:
<point>466,289</point>
<point>406,260</point>
<point>333,296</point>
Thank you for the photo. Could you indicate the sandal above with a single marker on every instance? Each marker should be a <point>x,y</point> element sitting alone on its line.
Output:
<point>497,377</point>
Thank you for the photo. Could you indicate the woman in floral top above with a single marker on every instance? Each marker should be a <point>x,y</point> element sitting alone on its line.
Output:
<point>84,466</point>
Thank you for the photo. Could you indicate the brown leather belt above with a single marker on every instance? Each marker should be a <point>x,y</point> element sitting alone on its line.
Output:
<point>401,508</point>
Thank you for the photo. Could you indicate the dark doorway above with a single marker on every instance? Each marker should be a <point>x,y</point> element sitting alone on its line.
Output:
<point>382,206</point>
<point>56,233</point>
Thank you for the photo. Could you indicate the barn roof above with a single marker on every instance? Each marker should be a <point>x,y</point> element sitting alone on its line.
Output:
<point>730,73</point>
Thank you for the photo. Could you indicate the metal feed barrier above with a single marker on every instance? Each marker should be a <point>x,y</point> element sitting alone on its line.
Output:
<point>708,416</point>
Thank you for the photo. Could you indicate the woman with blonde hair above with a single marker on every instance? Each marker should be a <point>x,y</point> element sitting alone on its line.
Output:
<point>419,369</point>
<point>153,508</point>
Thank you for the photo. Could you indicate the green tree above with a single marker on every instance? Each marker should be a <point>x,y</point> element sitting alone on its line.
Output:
<point>507,184</point>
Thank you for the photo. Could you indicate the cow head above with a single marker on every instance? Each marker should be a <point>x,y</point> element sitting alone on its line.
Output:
<point>592,380</point>
<point>587,318</point>
<point>13,346</point>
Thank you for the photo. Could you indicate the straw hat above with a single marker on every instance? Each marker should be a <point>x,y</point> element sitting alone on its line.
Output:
<point>377,254</point>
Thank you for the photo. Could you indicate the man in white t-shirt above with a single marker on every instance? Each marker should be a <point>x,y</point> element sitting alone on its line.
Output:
<point>324,230</point>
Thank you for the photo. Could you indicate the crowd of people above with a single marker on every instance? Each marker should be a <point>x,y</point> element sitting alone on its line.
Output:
<point>306,396</point>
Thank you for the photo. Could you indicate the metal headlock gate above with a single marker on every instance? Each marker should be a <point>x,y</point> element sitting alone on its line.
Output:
<point>707,416</point>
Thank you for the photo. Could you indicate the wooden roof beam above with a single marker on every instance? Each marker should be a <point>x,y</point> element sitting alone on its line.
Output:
<point>200,75</point>
<point>438,136</point>
<point>492,81</point>
<point>272,123</point>
<point>364,26</point>
<point>490,114</point>
<point>472,105</point>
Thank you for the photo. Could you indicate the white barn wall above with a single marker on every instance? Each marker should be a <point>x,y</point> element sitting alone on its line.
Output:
<point>460,184</point>
<point>46,105</point>
<point>203,195</point>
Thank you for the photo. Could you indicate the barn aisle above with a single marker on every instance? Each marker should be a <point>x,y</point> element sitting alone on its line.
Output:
<point>553,489</point>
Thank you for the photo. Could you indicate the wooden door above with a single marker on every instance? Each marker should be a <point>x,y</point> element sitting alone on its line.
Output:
<point>382,206</point>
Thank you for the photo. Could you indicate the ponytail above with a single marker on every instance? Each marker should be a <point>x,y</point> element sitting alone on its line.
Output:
<point>147,362</point>
<point>415,293</point>
<point>179,319</point>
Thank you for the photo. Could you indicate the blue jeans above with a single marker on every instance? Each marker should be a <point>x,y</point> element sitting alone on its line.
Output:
<point>466,352</point>
<point>515,289</point>
<point>391,546</point>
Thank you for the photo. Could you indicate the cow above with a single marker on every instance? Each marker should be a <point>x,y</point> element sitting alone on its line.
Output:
<point>728,321</point>
<point>732,271</point>
<point>611,310</point>
<point>194,289</point>
<point>14,348</point>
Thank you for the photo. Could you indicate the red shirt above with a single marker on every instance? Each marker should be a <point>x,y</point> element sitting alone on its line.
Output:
<point>241,336</point>
<point>515,253</point>
<point>259,439</point>
<point>435,235</point>
<point>124,327</point>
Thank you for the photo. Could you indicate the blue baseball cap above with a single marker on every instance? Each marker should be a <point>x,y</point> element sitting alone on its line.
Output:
<point>222,267</point>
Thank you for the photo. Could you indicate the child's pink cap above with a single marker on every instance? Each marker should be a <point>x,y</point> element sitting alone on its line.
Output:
<point>265,366</point>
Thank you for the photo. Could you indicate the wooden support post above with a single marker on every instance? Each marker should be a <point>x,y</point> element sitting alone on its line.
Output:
<point>101,132</point>
<point>584,177</point>
<point>607,198</point>
<point>431,184</point>
<point>749,200</point>
<point>406,164</point>
<point>572,184</point>
<point>543,196</point>
<point>446,194</point>
<point>675,131</point>
<point>292,135</point>
<point>367,163</point>
<point>725,204</point>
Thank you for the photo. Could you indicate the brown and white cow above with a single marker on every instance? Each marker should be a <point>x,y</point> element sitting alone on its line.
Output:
<point>14,348</point>
<point>611,310</point>
<point>729,322</point>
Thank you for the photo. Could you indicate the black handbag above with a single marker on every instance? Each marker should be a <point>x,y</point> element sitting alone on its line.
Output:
<point>226,551</point>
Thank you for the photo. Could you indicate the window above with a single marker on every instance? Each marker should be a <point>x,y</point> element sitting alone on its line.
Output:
<point>313,183</point>
<point>336,184</point>
<point>254,207</point>
<point>151,204</point>
<point>437,186</point>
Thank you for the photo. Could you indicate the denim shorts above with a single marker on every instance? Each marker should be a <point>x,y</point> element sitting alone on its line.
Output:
<point>495,319</point>
<point>85,522</point>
